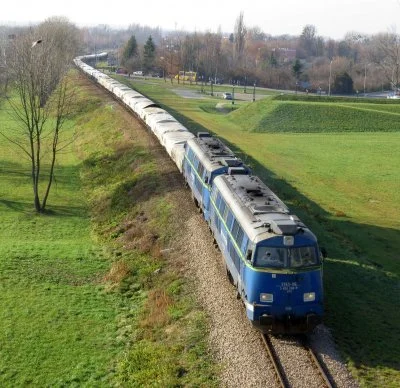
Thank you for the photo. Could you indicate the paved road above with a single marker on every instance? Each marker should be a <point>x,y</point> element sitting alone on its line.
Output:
<point>190,93</point>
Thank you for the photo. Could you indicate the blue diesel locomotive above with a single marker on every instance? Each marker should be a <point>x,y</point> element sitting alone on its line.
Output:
<point>271,256</point>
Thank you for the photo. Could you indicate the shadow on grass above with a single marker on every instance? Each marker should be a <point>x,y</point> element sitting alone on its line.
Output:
<point>9,168</point>
<point>27,208</point>
<point>62,174</point>
<point>17,179</point>
<point>362,262</point>
<point>362,307</point>
<point>17,206</point>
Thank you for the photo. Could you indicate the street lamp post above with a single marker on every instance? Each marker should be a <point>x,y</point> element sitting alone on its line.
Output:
<point>330,77</point>
<point>233,95</point>
<point>365,76</point>
<point>254,92</point>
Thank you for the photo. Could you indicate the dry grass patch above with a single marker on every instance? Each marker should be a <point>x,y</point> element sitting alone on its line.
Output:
<point>118,272</point>
<point>157,305</point>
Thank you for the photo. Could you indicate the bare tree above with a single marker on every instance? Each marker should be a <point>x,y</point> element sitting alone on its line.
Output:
<point>240,38</point>
<point>3,61</point>
<point>385,53</point>
<point>38,65</point>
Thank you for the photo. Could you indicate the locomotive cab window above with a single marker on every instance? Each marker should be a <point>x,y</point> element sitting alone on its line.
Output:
<point>273,257</point>
<point>303,257</point>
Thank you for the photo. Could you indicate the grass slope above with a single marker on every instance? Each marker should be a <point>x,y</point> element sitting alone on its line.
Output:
<point>299,116</point>
<point>345,185</point>
<point>78,284</point>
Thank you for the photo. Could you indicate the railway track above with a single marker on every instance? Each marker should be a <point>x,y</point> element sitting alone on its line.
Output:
<point>279,370</point>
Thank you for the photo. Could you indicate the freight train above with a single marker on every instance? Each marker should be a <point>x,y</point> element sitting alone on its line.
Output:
<point>270,256</point>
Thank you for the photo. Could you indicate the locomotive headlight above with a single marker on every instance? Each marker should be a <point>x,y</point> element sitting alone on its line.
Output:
<point>266,298</point>
<point>288,240</point>
<point>309,297</point>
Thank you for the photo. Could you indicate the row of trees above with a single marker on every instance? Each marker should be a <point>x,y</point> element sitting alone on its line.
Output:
<point>249,55</point>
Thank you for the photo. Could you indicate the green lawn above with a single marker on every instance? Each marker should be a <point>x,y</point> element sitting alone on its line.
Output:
<point>57,325</point>
<point>298,116</point>
<point>337,165</point>
<point>76,302</point>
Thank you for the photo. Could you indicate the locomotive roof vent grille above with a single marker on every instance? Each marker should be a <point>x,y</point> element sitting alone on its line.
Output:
<point>237,170</point>
<point>232,163</point>
<point>214,148</point>
<point>261,209</point>
<point>166,121</point>
<point>211,142</point>
<point>201,135</point>
<point>254,191</point>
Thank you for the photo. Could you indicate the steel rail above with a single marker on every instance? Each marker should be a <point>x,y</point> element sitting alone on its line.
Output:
<point>280,374</point>
<point>278,369</point>
<point>325,375</point>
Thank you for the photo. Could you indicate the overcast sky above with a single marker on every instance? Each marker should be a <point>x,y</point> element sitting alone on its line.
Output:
<point>332,18</point>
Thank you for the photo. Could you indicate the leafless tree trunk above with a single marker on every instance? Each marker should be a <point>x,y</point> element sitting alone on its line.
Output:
<point>240,35</point>
<point>385,53</point>
<point>38,64</point>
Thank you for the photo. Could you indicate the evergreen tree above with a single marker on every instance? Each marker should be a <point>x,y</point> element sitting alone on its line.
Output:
<point>149,52</point>
<point>130,50</point>
<point>343,83</point>
<point>297,69</point>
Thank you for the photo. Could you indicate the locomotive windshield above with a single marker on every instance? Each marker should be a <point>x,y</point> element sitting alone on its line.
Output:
<point>272,257</point>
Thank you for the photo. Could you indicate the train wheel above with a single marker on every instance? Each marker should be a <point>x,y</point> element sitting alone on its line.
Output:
<point>215,244</point>
<point>229,275</point>
<point>196,202</point>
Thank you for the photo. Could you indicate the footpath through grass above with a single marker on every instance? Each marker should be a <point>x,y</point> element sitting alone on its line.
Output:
<point>78,285</point>
<point>340,175</point>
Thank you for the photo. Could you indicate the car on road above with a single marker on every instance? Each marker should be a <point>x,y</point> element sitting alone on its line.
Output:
<point>395,95</point>
<point>227,96</point>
